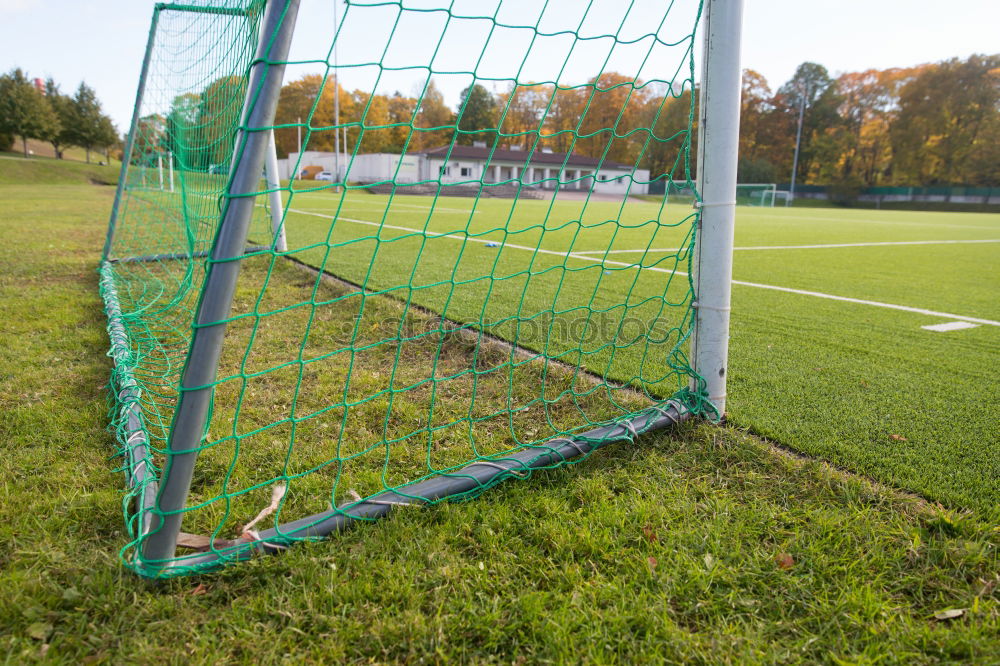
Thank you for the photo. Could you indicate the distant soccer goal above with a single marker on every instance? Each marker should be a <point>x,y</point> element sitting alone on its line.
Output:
<point>756,194</point>
<point>293,356</point>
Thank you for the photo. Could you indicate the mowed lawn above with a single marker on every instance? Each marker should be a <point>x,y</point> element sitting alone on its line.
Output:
<point>705,545</point>
<point>857,383</point>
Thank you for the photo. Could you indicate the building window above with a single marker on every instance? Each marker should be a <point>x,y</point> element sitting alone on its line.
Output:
<point>445,171</point>
<point>466,171</point>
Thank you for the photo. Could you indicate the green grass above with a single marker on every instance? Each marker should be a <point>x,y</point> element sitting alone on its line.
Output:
<point>863,386</point>
<point>705,546</point>
<point>15,169</point>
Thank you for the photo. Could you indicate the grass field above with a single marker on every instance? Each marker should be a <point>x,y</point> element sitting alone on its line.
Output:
<point>859,383</point>
<point>707,545</point>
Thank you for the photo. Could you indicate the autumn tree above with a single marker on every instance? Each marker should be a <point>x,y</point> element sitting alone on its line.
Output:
<point>150,131</point>
<point>948,126</point>
<point>672,147</point>
<point>757,161</point>
<point>401,116</point>
<point>523,109</point>
<point>373,118</point>
<point>309,101</point>
<point>562,121</point>
<point>433,117</point>
<point>613,113</point>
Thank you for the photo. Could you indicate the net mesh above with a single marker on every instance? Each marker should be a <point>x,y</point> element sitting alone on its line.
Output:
<point>474,271</point>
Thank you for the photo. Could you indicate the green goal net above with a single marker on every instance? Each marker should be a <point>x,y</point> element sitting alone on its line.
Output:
<point>391,257</point>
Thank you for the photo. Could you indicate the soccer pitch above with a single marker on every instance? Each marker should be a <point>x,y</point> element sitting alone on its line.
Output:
<point>829,352</point>
<point>683,540</point>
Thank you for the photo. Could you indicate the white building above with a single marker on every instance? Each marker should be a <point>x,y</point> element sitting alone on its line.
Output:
<point>473,164</point>
<point>367,168</point>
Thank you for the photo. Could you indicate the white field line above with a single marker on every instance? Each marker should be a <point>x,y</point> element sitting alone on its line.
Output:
<point>806,247</point>
<point>351,202</point>
<point>608,262</point>
<point>867,221</point>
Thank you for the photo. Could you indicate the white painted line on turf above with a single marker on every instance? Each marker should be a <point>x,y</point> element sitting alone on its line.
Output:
<point>860,301</point>
<point>949,326</point>
<point>807,247</point>
<point>867,221</point>
<point>609,262</point>
<point>351,202</point>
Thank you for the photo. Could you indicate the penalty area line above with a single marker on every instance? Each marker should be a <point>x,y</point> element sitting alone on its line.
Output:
<point>804,247</point>
<point>609,262</point>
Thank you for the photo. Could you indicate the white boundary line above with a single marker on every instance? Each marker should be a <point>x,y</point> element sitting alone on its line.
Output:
<point>808,247</point>
<point>352,202</point>
<point>608,262</point>
<point>868,221</point>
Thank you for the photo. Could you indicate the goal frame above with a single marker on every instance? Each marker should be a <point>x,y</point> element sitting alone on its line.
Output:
<point>160,504</point>
<point>767,190</point>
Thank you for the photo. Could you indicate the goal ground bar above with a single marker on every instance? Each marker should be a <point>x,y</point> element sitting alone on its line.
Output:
<point>474,477</point>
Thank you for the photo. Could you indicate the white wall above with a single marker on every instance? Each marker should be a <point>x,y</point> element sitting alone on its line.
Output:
<point>364,168</point>
<point>452,170</point>
<point>375,167</point>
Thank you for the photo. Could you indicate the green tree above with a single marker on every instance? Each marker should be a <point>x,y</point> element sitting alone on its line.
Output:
<point>811,97</point>
<point>477,115</point>
<point>219,108</point>
<point>62,105</point>
<point>90,128</point>
<point>180,132</point>
<point>24,111</point>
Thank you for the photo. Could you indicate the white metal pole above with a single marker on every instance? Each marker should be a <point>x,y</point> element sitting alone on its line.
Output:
<point>336,102</point>
<point>159,169</point>
<point>170,166</point>
<point>298,131</point>
<point>798,142</point>
<point>719,115</point>
<point>274,196</point>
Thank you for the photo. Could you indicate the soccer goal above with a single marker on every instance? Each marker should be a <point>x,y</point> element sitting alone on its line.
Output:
<point>756,194</point>
<point>293,356</point>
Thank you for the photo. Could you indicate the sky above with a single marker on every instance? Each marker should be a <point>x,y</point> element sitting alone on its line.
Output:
<point>102,41</point>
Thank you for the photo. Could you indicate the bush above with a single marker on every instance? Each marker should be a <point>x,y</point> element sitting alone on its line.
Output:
<point>755,171</point>
<point>846,192</point>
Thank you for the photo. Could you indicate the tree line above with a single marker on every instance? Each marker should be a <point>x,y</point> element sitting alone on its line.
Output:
<point>605,118</point>
<point>49,115</point>
<point>932,124</point>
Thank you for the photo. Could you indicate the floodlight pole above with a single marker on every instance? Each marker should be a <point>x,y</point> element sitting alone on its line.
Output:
<point>798,142</point>
<point>718,129</point>
<point>222,271</point>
